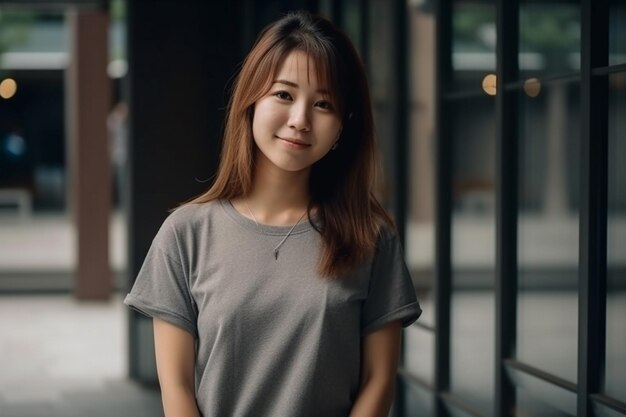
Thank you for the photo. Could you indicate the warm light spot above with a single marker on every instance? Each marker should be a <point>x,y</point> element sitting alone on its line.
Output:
<point>8,87</point>
<point>489,84</point>
<point>532,87</point>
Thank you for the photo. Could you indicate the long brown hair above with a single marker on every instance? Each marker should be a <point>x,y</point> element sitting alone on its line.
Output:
<point>342,182</point>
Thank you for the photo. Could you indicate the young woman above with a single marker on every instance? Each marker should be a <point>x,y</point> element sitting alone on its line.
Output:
<point>282,290</point>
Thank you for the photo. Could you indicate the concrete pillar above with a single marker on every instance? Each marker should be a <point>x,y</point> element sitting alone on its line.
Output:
<point>88,98</point>
<point>422,117</point>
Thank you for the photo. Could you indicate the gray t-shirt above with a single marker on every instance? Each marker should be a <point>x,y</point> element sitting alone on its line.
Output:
<point>273,337</point>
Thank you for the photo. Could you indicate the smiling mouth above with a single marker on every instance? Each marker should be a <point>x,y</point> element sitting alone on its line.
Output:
<point>294,142</point>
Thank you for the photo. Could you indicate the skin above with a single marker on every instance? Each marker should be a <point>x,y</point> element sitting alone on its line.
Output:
<point>175,359</point>
<point>295,125</point>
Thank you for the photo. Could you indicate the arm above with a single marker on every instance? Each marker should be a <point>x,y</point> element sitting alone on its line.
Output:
<point>175,358</point>
<point>379,364</point>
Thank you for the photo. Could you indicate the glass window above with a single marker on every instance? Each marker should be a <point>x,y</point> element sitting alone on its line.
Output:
<point>473,250</point>
<point>539,398</point>
<point>473,43</point>
<point>615,374</point>
<point>419,355</point>
<point>549,164</point>
<point>549,39</point>
<point>528,405</point>
<point>601,410</point>
<point>472,342</point>
<point>417,400</point>
<point>617,32</point>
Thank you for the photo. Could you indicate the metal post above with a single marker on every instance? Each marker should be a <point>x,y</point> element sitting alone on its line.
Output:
<point>593,210</point>
<point>506,283</point>
<point>442,284</point>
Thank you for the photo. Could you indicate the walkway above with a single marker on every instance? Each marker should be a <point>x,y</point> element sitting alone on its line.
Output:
<point>60,357</point>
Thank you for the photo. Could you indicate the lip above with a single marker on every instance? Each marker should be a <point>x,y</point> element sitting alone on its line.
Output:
<point>296,143</point>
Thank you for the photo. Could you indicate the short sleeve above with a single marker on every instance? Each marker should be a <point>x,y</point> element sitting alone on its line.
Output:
<point>161,289</point>
<point>391,294</point>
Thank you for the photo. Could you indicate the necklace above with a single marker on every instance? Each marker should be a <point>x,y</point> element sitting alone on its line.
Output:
<point>277,247</point>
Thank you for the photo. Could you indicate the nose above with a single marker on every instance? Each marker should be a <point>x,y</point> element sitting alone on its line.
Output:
<point>299,118</point>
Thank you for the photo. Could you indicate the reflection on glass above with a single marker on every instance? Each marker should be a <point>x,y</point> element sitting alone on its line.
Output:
<point>528,405</point>
<point>419,345</point>
<point>473,43</point>
<point>532,87</point>
<point>549,164</point>
<point>615,374</point>
<point>541,396</point>
<point>417,400</point>
<point>473,250</point>
<point>549,39</point>
<point>472,344</point>
<point>489,84</point>
<point>601,410</point>
<point>617,32</point>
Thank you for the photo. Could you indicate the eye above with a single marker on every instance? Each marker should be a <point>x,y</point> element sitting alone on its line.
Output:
<point>282,95</point>
<point>325,105</point>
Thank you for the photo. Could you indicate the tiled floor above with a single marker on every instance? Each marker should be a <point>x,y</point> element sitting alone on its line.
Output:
<point>112,399</point>
<point>61,357</point>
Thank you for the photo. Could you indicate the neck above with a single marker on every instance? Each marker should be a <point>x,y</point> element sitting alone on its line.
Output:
<point>278,197</point>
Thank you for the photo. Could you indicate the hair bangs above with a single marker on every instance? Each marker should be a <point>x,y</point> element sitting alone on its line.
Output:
<point>323,55</point>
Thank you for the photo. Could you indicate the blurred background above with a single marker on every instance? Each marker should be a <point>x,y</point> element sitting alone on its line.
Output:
<point>503,135</point>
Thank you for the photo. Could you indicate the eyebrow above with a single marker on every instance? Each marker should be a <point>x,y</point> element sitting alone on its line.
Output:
<point>294,85</point>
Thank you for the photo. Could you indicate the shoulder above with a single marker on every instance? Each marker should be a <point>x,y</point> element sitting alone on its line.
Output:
<point>187,220</point>
<point>190,213</point>
<point>388,246</point>
<point>387,234</point>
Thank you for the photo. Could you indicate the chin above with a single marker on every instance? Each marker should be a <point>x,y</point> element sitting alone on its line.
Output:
<point>291,166</point>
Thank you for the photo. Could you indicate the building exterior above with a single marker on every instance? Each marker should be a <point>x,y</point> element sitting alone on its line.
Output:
<point>502,130</point>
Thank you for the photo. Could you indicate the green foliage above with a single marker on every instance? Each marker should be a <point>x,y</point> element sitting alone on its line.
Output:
<point>546,28</point>
<point>469,19</point>
<point>117,10</point>
<point>14,28</point>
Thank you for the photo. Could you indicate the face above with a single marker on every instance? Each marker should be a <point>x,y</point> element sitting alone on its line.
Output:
<point>295,123</point>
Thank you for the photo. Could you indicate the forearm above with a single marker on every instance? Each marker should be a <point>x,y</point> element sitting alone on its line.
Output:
<point>179,401</point>
<point>374,399</point>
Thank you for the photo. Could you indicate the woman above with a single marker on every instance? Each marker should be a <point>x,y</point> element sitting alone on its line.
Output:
<point>282,290</point>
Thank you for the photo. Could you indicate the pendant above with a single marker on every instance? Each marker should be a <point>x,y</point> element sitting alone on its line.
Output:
<point>276,254</point>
